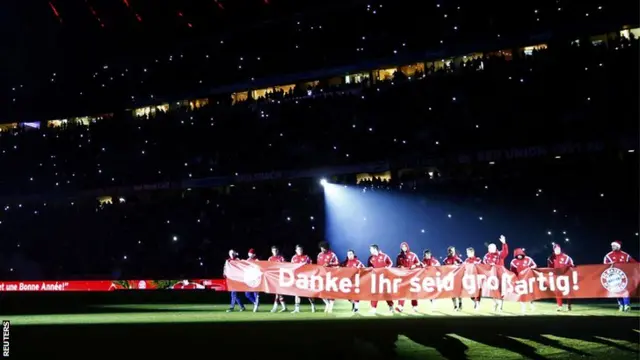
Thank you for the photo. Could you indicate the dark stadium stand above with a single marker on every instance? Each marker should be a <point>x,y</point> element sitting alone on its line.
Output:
<point>66,64</point>
<point>176,188</point>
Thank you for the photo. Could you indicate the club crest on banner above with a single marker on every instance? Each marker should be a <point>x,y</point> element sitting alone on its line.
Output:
<point>142,284</point>
<point>614,280</point>
<point>252,276</point>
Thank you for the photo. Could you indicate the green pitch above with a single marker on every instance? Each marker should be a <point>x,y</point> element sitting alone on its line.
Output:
<point>169,313</point>
<point>158,330</point>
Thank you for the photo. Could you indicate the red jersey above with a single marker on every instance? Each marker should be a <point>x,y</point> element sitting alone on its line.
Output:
<point>498,257</point>
<point>430,262</point>
<point>353,263</point>
<point>519,265</point>
<point>452,260</point>
<point>276,258</point>
<point>255,258</point>
<point>328,258</point>
<point>301,259</point>
<point>473,260</point>
<point>618,257</point>
<point>381,260</point>
<point>560,261</point>
<point>407,260</point>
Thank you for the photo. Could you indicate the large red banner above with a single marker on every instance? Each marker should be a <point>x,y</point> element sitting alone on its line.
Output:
<point>588,281</point>
<point>111,285</point>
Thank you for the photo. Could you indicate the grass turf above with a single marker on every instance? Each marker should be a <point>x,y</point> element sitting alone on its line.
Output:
<point>187,330</point>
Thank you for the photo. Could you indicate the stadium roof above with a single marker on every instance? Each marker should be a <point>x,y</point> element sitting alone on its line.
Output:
<point>94,28</point>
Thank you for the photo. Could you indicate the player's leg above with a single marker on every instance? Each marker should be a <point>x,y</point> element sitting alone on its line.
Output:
<point>620,304</point>
<point>257,303</point>
<point>414,305</point>
<point>249,296</point>
<point>326,305</point>
<point>568,304</point>
<point>235,299</point>
<point>497,304</point>
<point>455,304</point>
<point>476,303</point>
<point>276,300</point>
<point>390,304</point>
<point>559,303</point>
<point>355,306</point>
<point>252,297</point>
<point>476,300</point>
<point>296,306</point>
<point>313,305</point>
<point>400,306</point>
<point>374,306</point>
<point>329,305</point>
<point>282,303</point>
<point>239,302</point>
<point>627,303</point>
<point>232,305</point>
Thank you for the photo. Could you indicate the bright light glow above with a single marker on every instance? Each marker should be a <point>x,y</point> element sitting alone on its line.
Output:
<point>323,182</point>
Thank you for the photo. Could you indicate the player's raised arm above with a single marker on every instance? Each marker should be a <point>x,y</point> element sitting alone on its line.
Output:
<point>504,249</point>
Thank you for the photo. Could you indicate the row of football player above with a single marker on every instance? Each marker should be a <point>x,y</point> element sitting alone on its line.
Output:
<point>409,260</point>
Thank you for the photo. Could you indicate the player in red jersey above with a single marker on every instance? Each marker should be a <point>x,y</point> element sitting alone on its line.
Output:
<point>429,260</point>
<point>276,257</point>
<point>496,258</point>
<point>253,296</point>
<point>471,257</point>
<point>520,263</point>
<point>353,262</point>
<point>407,259</point>
<point>327,258</point>
<point>453,259</point>
<point>474,260</point>
<point>378,260</point>
<point>559,260</point>
<point>617,256</point>
<point>301,258</point>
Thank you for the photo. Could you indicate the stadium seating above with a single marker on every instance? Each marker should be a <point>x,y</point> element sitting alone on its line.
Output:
<point>564,152</point>
<point>567,89</point>
<point>106,58</point>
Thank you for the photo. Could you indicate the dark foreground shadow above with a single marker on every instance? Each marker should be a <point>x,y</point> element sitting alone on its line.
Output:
<point>339,339</point>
